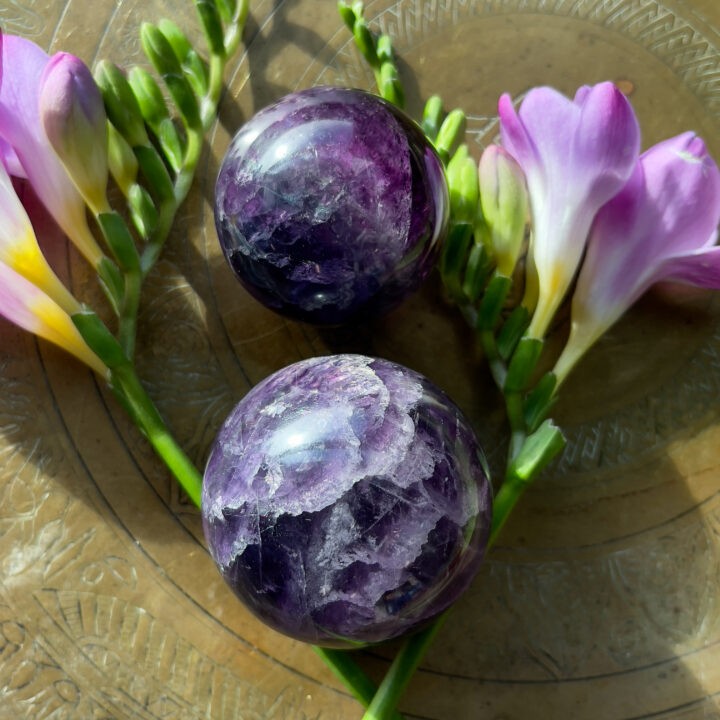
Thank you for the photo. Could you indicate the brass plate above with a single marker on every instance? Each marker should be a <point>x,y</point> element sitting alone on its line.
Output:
<point>602,601</point>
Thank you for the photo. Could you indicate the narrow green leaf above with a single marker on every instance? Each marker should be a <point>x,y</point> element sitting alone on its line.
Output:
<point>492,303</point>
<point>522,364</point>
<point>155,172</point>
<point>511,331</point>
<point>540,401</point>
<point>477,272</point>
<point>112,282</point>
<point>171,143</point>
<point>539,450</point>
<point>100,340</point>
<point>143,212</point>
<point>433,115</point>
<point>120,240</point>
<point>454,257</point>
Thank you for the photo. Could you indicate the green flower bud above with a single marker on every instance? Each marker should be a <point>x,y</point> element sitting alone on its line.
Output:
<point>212,25</point>
<point>195,68</point>
<point>433,114</point>
<point>504,204</point>
<point>162,56</point>
<point>450,134</point>
<point>120,102</point>
<point>121,160</point>
<point>462,177</point>
<point>154,110</point>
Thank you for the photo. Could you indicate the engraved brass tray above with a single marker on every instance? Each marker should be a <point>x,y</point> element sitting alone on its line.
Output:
<point>602,599</point>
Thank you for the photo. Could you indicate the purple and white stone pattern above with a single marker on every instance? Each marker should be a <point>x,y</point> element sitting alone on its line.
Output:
<point>331,205</point>
<point>346,500</point>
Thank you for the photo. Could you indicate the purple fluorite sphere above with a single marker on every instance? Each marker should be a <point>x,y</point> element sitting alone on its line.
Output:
<point>331,205</point>
<point>346,500</point>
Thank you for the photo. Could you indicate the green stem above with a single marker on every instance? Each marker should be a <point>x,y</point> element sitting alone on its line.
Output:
<point>133,396</point>
<point>127,326</point>
<point>212,98</point>
<point>492,356</point>
<point>505,500</point>
<point>362,688</point>
<point>516,419</point>
<point>187,172</point>
<point>401,671</point>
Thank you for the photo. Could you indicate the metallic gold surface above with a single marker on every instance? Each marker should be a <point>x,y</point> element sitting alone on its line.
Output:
<point>602,600</point>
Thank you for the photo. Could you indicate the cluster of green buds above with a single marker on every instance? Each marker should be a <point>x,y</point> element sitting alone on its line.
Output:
<point>153,152</point>
<point>377,51</point>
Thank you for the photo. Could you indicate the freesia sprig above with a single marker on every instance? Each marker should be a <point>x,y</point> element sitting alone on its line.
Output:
<point>65,137</point>
<point>565,193</point>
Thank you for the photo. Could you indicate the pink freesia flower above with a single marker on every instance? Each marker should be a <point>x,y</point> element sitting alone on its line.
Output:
<point>576,154</point>
<point>25,147</point>
<point>26,305</point>
<point>19,248</point>
<point>661,226</point>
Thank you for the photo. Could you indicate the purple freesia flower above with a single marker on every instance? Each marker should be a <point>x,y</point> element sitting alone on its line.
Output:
<point>25,147</point>
<point>661,226</point>
<point>576,154</point>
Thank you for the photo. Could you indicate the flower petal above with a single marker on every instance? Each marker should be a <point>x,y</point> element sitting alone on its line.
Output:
<point>575,156</point>
<point>27,306</point>
<point>19,248</point>
<point>73,117</point>
<point>607,139</point>
<point>661,226</point>
<point>23,63</point>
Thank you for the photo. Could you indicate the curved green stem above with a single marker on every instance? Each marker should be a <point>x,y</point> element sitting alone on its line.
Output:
<point>363,689</point>
<point>516,420</point>
<point>142,410</point>
<point>127,327</point>
<point>401,671</point>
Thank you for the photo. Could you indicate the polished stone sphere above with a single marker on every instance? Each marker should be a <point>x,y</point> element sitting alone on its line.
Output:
<point>346,501</point>
<point>331,205</point>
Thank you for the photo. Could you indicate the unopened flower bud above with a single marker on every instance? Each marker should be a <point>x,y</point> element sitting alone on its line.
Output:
<point>504,204</point>
<point>122,161</point>
<point>74,120</point>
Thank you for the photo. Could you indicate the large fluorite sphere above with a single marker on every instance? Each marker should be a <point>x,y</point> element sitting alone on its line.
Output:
<point>330,204</point>
<point>346,500</point>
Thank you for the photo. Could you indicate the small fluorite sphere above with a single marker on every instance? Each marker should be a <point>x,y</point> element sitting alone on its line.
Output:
<point>346,501</point>
<point>331,205</point>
